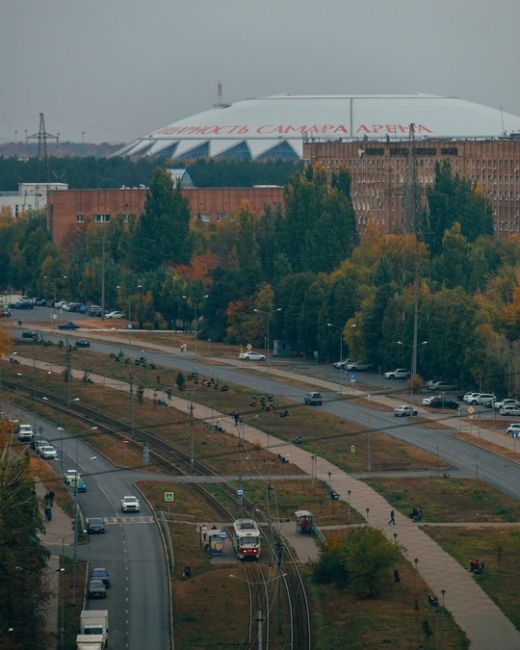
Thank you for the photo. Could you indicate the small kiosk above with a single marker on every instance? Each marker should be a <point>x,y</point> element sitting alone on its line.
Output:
<point>216,539</point>
<point>304,522</point>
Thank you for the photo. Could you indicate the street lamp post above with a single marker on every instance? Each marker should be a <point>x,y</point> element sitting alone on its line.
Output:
<point>196,303</point>
<point>340,354</point>
<point>413,365</point>
<point>129,295</point>
<point>267,315</point>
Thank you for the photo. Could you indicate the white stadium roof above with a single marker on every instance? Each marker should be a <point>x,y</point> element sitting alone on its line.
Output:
<point>277,126</point>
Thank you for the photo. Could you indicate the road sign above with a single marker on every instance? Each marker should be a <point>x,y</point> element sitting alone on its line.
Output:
<point>471,410</point>
<point>353,378</point>
<point>169,496</point>
<point>54,316</point>
<point>352,449</point>
<point>240,492</point>
<point>125,441</point>
<point>249,347</point>
<point>222,534</point>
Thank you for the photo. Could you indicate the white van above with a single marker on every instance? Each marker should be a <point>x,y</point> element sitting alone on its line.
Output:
<point>25,434</point>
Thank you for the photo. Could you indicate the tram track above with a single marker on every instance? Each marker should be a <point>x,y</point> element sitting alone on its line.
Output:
<point>297,625</point>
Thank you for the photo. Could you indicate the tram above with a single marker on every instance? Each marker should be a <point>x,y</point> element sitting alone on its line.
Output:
<point>246,539</point>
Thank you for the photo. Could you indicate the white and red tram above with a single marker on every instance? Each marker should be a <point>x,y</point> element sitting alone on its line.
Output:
<point>246,539</point>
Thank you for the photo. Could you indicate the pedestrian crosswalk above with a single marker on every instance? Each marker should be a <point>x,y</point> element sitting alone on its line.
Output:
<point>111,521</point>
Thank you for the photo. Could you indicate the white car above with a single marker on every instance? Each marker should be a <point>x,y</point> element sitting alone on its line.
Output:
<point>506,403</point>
<point>358,365</point>
<point>398,373</point>
<point>471,397</point>
<point>404,411</point>
<point>71,475</point>
<point>485,399</point>
<point>428,400</point>
<point>114,314</point>
<point>48,452</point>
<point>514,430</point>
<point>510,409</point>
<point>39,444</point>
<point>251,356</point>
<point>130,504</point>
<point>341,364</point>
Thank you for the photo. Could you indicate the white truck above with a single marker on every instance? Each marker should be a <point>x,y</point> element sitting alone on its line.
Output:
<point>90,642</point>
<point>94,622</point>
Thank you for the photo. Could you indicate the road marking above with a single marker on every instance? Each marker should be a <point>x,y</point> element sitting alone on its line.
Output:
<point>145,519</point>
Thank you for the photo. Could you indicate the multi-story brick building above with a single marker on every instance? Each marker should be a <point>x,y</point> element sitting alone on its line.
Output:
<point>379,174</point>
<point>70,209</point>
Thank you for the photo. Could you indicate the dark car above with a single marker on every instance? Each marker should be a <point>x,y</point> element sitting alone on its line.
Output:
<point>68,326</point>
<point>96,589</point>
<point>82,343</point>
<point>23,304</point>
<point>441,403</point>
<point>30,334</point>
<point>40,302</point>
<point>101,574</point>
<point>95,525</point>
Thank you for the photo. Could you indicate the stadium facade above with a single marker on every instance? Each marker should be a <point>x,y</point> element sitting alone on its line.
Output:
<point>278,126</point>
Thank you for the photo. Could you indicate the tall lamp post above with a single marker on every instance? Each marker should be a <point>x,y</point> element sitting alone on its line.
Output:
<point>413,368</point>
<point>340,354</point>
<point>267,315</point>
<point>129,295</point>
<point>196,303</point>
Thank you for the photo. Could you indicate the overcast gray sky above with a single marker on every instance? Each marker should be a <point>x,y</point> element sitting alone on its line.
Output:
<point>117,69</point>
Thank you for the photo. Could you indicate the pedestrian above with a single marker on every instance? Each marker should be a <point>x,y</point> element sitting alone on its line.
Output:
<point>48,514</point>
<point>46,499</point>
<point>397,577</point>
<point>392,517</point>
<point>204,532</point>
<point>51,498</point>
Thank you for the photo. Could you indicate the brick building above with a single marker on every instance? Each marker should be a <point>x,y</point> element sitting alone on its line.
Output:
<point>379,174</point>
<point>74,208</point>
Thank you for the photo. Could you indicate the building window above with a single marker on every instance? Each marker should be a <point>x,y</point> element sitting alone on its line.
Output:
<point>221,216</point>
<point>80,218</point>
<point>204,216</point>
<point>101,218</point>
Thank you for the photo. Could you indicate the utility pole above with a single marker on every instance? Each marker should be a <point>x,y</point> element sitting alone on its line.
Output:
<point>192,440</point>
<point>132,416</point>
<point>103,276</point>
<point>68,372</point>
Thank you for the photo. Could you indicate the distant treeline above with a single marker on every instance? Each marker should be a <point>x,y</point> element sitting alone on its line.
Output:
<point>105,173</point>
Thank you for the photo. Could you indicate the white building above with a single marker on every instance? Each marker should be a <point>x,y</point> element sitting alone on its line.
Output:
<point>30,196</point>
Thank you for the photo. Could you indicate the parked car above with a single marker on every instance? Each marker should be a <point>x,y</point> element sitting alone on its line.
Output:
<point>514,430</point>
<point>358,365</point>
<point>96,589</point>
<point>5,312</point>
<point>471,397</point>
<point>82,343</point>
<point>404,411</point>
<point>439,386</point>
<point>130,504</point>
<point>30,334</point>
<point>312,398</point>
<point>506,402</point>
<point>341,364</point>
<point>40,302</point>
<point>486,399</point>
<point>251,356</point>
<point>23,304</point>
<point>439,402</point>
<point>48,452</point>
<point>102,574</point>
<point>68,326</point>
<point>510,409</point>
<point>94,310</point>
<point>95,525</point>
<point>114,314</point>
<point>398,373</point>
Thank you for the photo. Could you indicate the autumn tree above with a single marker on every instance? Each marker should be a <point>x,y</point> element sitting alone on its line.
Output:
<point>162,234</point>
<point>22,556</point>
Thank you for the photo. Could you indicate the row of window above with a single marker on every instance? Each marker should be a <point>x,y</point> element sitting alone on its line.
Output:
<point>99,218</point>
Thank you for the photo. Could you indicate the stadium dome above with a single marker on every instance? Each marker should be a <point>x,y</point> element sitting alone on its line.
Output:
<point>277,126</point>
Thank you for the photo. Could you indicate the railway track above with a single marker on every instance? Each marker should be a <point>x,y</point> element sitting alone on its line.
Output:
<point>293,617</point>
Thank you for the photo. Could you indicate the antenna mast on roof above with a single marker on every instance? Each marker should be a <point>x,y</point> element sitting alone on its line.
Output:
<point>220,103</point>
<point>42,136</point>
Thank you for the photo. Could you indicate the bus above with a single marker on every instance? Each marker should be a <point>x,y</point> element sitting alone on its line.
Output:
<point>246,539</point>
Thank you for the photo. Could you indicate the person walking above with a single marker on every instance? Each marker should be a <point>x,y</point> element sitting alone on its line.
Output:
<point>48,514</point>
<point>392,518</point>
<point>51,498</point>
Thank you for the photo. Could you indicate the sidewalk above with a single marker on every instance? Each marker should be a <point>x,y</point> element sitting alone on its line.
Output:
<point>58,533</point>
<point>477,615</point>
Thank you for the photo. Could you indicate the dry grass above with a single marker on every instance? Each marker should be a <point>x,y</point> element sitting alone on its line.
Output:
<point>499,549</point>
<point>498,450</point>
<point>448,499</point>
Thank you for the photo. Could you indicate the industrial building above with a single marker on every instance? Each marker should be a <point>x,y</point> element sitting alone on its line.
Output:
<point>72,209</point>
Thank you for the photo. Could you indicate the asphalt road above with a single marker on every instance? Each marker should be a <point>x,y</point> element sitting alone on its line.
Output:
<point>130,549</point>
